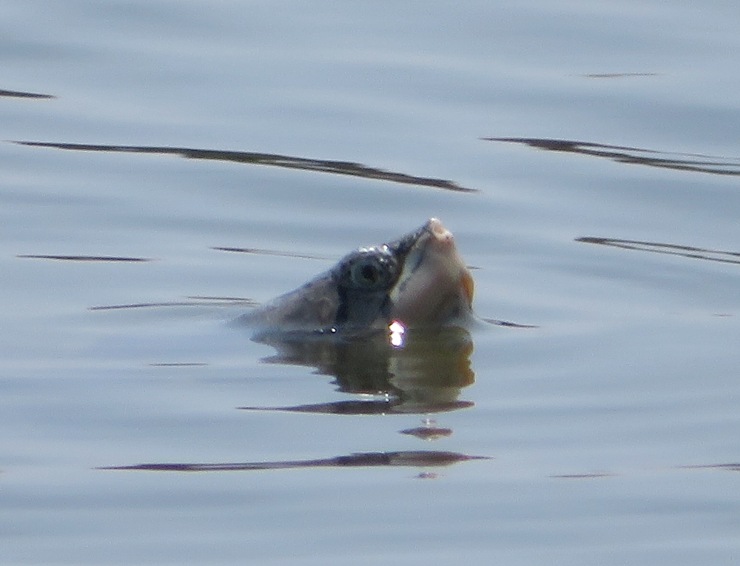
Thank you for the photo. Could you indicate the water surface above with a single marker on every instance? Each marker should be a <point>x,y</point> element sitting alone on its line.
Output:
<point>165,167</point>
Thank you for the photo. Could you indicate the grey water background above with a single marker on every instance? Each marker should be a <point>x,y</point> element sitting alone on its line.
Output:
<point>183,160</point>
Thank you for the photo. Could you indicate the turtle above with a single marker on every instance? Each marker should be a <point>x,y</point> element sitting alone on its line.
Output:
<point>416,281</point>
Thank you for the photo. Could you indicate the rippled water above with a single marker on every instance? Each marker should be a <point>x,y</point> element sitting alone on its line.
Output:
<point>167,166</point>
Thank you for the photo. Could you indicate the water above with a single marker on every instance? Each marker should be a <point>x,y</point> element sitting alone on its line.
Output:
<point>599,143</point>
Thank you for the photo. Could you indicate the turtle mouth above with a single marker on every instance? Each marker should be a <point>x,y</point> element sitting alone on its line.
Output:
<point>435,286</point>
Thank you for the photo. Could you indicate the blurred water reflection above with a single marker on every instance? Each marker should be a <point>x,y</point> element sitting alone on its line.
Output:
<point>426,375</point>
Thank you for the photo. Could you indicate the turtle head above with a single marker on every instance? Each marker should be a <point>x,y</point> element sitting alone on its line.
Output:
<point>418,280</point>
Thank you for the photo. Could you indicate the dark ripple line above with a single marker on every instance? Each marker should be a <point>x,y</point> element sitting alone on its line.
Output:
<point>177,364</point>
<point>272,159</point>
<point>586,476</point>
<point>279,253</point>
<point>413,458</point>
<point>508,323</point>
<point>199,301</point>
<point>21,94</point>
<point>694,162</point>
<point>618,75</point>
<point>668,249</point>
<point>85,258</point>
<point>355,408</point>
<point>732,467</point>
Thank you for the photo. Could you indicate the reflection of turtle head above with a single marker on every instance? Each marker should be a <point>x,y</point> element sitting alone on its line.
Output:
<point>419,280</point>
<point>426,375</point>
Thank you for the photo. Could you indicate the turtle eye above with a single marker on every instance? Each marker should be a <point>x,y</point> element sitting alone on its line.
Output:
<point>369,273</point>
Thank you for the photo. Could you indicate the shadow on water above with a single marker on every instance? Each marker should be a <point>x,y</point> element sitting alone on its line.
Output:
<point>632,155</point>
<point>270,159</point>
<point>669,249</point>
<point>426,375</point>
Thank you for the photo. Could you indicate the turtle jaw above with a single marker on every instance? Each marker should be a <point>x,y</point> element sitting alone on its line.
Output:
<point>434,287</point>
